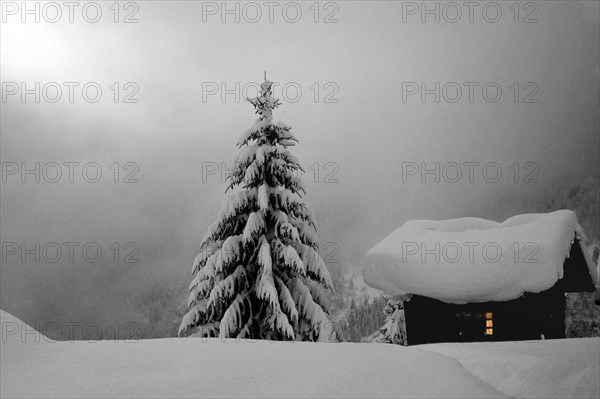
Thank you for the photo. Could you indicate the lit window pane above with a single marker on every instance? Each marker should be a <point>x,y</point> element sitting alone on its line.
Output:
<point>488,315</point>
<point>489,331</point>
<point>489,323</point>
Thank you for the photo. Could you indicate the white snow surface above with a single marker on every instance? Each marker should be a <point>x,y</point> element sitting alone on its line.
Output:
<point>474,260</point>
<point>563,368</point>
<point>193,367</point>
<point>35,366</point>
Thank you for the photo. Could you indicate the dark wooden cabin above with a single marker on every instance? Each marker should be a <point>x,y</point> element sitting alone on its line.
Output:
<point>531,316</point>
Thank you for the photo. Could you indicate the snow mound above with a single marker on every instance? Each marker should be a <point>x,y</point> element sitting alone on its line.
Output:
<point>196,367</point>
<point>14,355</point>
<point>14,330</point>
<point>565,368</point>
<point>474,260</point>
<point>6,317</point>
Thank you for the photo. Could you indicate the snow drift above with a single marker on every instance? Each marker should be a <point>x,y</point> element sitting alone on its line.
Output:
<point>35,366</point>
<point>196,367</point>
<point>565,368</point>
<point>474,260</point>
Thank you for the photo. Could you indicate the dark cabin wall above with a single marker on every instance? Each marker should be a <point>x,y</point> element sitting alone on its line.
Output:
<point>429,321</point>
<point>529,317</point>
<point>545,314</point>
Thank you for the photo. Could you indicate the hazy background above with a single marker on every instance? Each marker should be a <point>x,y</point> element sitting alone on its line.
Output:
<point>366,135</point>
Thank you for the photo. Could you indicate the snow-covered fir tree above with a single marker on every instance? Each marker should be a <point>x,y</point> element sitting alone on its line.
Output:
<point>394,329</point>
<point>259,274</point>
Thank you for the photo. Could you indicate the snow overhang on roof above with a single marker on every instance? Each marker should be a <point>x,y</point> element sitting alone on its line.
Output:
<point>475,260</point>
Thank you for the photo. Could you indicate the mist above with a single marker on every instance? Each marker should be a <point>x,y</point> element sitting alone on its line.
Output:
<point>361,135</point>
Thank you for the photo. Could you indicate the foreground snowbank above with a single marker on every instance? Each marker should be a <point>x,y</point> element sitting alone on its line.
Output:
<point>191,367</point>
<point>564,368</point>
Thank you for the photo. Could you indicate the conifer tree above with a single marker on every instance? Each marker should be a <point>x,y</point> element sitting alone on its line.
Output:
<point>258,274</point>
<point>394,329</point>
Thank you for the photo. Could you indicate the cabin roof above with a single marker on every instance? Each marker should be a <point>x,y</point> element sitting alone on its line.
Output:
<point>477,260</point>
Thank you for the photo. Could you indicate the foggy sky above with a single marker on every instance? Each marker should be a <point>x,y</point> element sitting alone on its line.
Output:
<point>365,137</point>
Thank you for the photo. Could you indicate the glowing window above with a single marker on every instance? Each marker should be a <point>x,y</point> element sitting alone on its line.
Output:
<point>489,323</point>
<point>488,315</point>
<point>489,331</point>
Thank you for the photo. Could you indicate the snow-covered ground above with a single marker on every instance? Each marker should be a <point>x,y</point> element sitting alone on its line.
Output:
<point>34,366</point>
<point>562,368</point>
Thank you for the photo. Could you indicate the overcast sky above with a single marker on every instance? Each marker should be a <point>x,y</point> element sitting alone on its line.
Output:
<point>353,98</point>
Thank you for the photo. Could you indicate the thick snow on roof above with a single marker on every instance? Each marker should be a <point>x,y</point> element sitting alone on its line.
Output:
<point>474,260</point>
